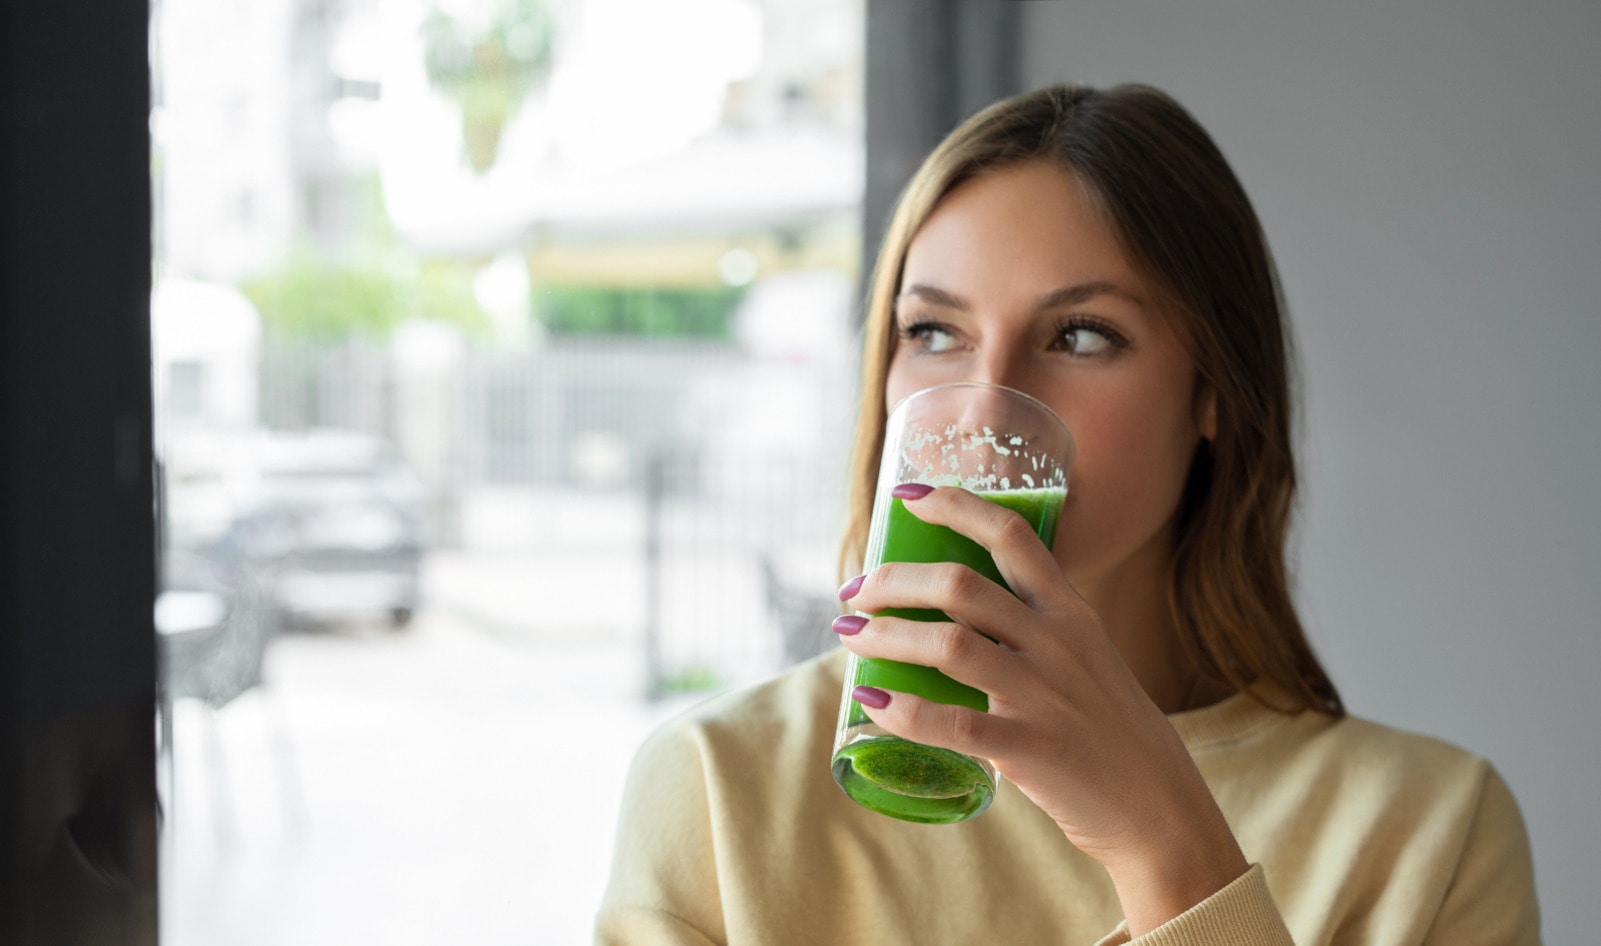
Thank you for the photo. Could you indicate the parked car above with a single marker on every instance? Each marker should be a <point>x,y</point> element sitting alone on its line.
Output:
<point>332,526</point>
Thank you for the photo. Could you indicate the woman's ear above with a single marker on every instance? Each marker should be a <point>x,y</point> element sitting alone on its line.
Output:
<point>1206,412</point>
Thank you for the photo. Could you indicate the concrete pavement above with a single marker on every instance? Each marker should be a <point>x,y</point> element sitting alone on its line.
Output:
<point>441,784</point>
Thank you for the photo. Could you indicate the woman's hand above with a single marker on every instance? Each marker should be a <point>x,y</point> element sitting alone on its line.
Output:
<point>1068,723</point>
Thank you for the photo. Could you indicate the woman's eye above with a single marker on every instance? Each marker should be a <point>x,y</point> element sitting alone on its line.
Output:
<point>1085,341</point>
<point>1080,339</point>
<point>930,338</point>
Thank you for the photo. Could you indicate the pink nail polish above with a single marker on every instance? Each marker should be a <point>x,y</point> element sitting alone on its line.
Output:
<point>911,491</point>
<point>848,590</point>
<point>870,696</point>
<point>849,624</point>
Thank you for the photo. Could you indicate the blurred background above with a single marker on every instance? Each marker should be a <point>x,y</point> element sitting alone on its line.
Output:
<point>503,361</point>
<point>504,357</point>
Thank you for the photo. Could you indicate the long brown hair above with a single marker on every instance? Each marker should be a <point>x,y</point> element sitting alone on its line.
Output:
<point>1187,227</point>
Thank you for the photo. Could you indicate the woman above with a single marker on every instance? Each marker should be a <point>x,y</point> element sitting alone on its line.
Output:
<point>1177,766</point>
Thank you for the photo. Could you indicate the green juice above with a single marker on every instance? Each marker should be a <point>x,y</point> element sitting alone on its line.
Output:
<point>894,776</point>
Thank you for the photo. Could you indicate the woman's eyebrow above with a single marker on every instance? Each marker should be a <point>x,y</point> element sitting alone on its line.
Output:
<point>1083,292</point>
<point>935,296</point>
<point>1067,296</point>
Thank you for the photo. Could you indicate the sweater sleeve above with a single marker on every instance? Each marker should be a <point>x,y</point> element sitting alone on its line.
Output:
<point>1491,898</point>
<point>1241,914</point>
<point>663,887</point>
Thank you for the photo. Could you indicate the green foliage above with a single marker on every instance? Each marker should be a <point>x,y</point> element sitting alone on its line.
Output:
<point>669,313</point>
<point>445,291</point>
<point>312,299</point>
<point>695,678</point>
<point>487,67</point>
<point>308,299</point>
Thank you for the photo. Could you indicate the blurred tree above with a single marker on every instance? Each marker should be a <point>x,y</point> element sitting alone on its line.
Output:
<point>656,312</point>
<point>312,299</point>
<point>487,65</point>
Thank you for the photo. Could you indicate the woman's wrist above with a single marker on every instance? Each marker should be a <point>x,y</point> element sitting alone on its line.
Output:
<point>1159,881</point>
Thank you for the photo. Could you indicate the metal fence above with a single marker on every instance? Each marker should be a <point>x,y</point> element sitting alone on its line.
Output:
<point>728,468</point>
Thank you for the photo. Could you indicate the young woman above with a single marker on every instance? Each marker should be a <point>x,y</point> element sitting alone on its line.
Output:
<point>1177,766</point>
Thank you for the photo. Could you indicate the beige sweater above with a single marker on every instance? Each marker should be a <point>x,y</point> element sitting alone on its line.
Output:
<point>733,831</point>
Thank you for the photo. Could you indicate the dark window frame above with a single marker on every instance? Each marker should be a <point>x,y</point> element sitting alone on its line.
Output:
<point>77,642</point>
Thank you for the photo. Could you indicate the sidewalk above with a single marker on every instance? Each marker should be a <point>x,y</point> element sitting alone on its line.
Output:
<point>711,616</point>
<point>448,785</point>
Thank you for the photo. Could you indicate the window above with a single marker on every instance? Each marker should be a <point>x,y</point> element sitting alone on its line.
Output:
<point>587,269</point>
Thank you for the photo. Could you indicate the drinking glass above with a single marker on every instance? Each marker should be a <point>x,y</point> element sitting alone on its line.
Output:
<point>1009,448</point>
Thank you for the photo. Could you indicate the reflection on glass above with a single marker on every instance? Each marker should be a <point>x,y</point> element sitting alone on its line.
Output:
<point>502,367</point>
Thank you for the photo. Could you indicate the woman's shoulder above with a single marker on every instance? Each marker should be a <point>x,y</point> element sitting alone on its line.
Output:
<point>792,712</point>
<point>1351,764</point>
<point>1353,776</point>
<point>1249,725</point>
<point>1389,753</point>
<point>1307,790</point>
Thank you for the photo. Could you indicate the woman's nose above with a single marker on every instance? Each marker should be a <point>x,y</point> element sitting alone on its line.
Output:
<point>999,368</point>
<point>996,410</point>
<point>989,409</point>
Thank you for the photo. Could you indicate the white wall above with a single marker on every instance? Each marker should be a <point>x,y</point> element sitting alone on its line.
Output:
<point>1428,177</point>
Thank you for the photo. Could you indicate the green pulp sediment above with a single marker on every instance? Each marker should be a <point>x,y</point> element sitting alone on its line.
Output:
<point>913,782</point>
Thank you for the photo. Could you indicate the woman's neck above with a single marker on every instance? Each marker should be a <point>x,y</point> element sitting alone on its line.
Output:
<point>1132,602</point>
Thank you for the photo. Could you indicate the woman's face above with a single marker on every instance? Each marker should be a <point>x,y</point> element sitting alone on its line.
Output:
<point>1016,280</point>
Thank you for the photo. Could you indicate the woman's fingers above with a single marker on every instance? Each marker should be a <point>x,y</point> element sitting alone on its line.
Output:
<point>956,650</point>
<point>1023,560</point>
<point>940,724</point>
<point>963,594</point>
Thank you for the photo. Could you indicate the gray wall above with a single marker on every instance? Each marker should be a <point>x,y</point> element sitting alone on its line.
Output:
<point>1427,174</point>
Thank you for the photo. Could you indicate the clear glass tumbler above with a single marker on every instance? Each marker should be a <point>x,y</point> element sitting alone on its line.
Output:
<point>1012,450</point>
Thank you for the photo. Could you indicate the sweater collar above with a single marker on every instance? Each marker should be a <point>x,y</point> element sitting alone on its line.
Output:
<point>1229,720</point>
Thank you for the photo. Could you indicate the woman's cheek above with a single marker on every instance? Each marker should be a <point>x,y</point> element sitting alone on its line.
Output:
<point>1119,492</point>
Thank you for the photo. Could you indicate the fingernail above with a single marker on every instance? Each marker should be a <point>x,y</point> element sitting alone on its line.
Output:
<point>911,491</point>
<point>849,624</point>
<point>870,696</point>
<point>848,590</point>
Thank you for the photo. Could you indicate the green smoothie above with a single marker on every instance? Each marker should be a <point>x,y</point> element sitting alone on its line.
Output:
<point>892,775</point>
